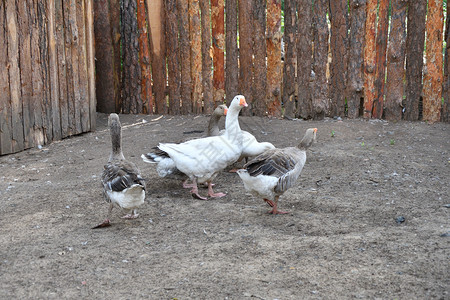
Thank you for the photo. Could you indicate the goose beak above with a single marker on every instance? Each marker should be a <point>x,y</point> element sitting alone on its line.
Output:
<point>315,130</point>
<point>242,102</point>
<point>225,111</point>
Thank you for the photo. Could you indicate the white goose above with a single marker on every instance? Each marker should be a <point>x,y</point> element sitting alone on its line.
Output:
<point>122,183</point>
<point>273,172</point>
<point>201,159</point>
<point>165,164</point>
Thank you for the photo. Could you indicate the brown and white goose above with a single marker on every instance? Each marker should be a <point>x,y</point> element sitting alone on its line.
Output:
<point>122,183</point>
<point>202,159</point>
<point>273,172</point>
<point>213,125</point>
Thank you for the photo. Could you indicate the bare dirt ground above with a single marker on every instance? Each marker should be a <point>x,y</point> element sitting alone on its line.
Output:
<point>342,239</point>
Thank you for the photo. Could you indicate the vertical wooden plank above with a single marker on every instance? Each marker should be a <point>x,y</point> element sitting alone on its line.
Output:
<point>259,87</point>
<point>232,71</point>
<point>356,57</point>
<point>173,57</point>
<point>61,61</point>
<point>185,57</point>
<point>370,58</point>
<point>290,57</point>
<point>5,96</point>
<point>53,71</point>
<point>304,59</point>
<point>69,69</point>
<point>396,62</point>
<point>104,64</point>
<point>320,91</point>
<point>114,12</point>
<point>274,71</point>
<point>37,77</point>
<point>144,59</point>
<point>207,76</point>
<point>25,70</point>
<point>339,54</point>
<point>91,63</point>
<point>14,76</point>
<point>196,55</point>
<point>131,87</point>
<point>381,45</point>
<point>155,10</point>
<point>414,57</point>
<point>445,114</point>
<point>432,81</point>
<point>246,54</point>
<point>74,43</point>
<point>218,43</point>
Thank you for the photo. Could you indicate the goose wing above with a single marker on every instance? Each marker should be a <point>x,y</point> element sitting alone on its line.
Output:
<point>120,175</point>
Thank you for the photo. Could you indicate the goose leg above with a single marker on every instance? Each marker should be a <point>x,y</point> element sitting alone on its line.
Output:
<point>211,192</point>
<point>187,185</point>
<point>105,223</point>
<point>275,211</point>
<point>194,190</point>
<point>132,215</point>
<point>270,202</point>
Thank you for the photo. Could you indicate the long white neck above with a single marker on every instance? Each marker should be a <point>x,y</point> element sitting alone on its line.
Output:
<point>232,128</point>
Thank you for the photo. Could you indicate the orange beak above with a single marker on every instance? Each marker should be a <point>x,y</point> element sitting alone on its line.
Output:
<point>242,102</point>
<point>225,111</point>
<point>315,130</point>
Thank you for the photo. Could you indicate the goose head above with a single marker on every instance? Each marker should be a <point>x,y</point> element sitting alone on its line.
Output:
<point>308,139</point>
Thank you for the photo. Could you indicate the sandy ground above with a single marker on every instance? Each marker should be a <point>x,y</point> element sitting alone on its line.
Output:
<point>342,239</point>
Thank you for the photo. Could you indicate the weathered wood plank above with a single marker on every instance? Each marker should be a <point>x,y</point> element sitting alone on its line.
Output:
<point>53,71</point>
<point>232,71</point>
<point>44,52</point>
<point>356,58</point>
<point>5,96</point>
<point>90,48</point>
<point>304,59</point>
<point>114,11</point>
<point>25,70</point>
<point>290,58</point>
<point>370,58</point>
<point>69,69</point>
<point>195,36</point>
<point>274,70</point>
<point>432,80</point>
<point>396,62</point>
<point>218,43</point>
<point>61,61</point>
<point>104,58</point>
<point>173,56</point>
<point>38,94</point>
<point>131,87</point>
<point>259,87</point>
<point>185,57</point>
<point>445,115</point>
<point>320,91</point>
<point>381,46</point>
<point>74,44</point>
<point>414,57</point>
<point>155,10</point>
<point>246,54</point>
<point>339,54</point>
<point>207,76</point>
<point>144,59</point>
<point>14,76</point>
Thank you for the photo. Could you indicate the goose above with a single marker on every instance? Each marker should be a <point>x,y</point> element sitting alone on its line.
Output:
<point>166,166</point>
<point>201,159</point>
<point>122,183</point>
<point>273,172</point>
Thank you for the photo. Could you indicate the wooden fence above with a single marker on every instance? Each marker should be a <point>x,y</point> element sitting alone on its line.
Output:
<point>47,86</point>
<point>289,58</point>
